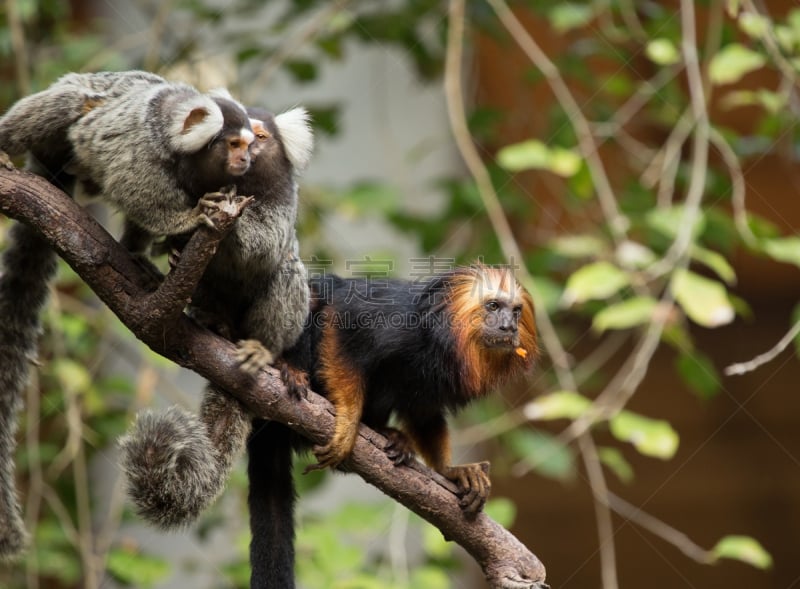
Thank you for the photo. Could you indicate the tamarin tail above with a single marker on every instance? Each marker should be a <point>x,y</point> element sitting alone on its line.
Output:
<point>28,266</point>
<point>271,500</point>
<point>177,464</point>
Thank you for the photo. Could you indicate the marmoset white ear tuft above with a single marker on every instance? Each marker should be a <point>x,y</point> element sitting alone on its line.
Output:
<point>194,123</point>
<point>297,136</point>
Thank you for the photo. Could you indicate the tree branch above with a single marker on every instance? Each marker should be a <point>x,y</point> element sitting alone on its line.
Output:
<point>122,284</point>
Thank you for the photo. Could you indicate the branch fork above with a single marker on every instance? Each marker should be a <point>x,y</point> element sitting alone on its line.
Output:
<point>157,319</point>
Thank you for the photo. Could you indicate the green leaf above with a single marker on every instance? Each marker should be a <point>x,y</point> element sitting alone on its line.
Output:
<point>596,281</point>
<point>502,510</point>
<point>634,255</point>
<point>783,249</point>
<point>699,374</point>
<point>578,246</point>
<point>651,437</point>
<point>668,221</point>
<point>743,548</point>
<point>566,16</point>
<point>704,301</point>
<point>630,313</point>
<point>732,62</point>
<point>662,52</point>
<point>785,36</point>
<point>754,25</point>
<point>533,154</point>
<point>524,156</point>
<point>564,162</point>
<point>135,568</point>
<point>542,452</point>
<point>716,262</point>
<point>71,375</point>
<point>557,405</point>
<point>616,463</point>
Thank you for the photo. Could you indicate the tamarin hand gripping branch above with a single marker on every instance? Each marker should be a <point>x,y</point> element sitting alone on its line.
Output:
<point>417,351</point>
<point>253,291</point>
<point>150,147</point>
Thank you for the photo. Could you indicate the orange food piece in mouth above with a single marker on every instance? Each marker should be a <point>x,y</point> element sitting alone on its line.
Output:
<point>521,352</point>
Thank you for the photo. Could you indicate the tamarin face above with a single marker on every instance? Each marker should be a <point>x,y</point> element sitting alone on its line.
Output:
<point>494,312</point>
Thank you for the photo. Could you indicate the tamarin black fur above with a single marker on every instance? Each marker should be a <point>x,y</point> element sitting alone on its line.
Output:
<point>152,148</point>
<point>376,349</point>
<point>417,352</point>
<point>253,291</point>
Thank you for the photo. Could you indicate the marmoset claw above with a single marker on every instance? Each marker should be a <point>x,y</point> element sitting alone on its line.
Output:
<point>253,356</point>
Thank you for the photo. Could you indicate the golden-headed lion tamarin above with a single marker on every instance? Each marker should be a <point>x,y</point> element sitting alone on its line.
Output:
<point>415,350</point>
<point>418,352</point>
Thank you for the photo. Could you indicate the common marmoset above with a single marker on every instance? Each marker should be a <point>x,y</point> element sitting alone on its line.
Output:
<point>150,147</point>
<point>413,350</point>
<point>253,291</point>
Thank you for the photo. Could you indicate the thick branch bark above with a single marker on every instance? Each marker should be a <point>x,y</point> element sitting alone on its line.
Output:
<point>152,316</point>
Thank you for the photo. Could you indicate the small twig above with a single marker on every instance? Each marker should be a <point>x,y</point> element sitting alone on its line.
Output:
<point>587,145</point>
<point>745,367</point>
<point>738,187</point>
<point>657,527</point>
<point>694,194</point>
<point>605,528</point>
<point>786,68</point>
<point>398,556</point>
<point>92,576</point>
<point>146,382</point>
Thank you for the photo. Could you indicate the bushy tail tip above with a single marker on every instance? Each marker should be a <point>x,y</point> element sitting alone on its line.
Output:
<point>171,467</point>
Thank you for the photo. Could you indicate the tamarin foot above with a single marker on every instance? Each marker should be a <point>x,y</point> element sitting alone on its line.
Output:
<point>332,454</point>
<point>473,482</point>
<point>253,356</point>
<point>328,456</point>
<point>296,380</point>
<point>399,447</point>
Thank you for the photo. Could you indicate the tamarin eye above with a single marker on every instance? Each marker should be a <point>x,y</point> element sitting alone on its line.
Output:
<point>517,311</point>
<point>492,306</point>
<point>263,136</point>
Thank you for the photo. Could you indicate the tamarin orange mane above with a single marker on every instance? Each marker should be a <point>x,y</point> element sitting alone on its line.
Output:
<point>483,368</point>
